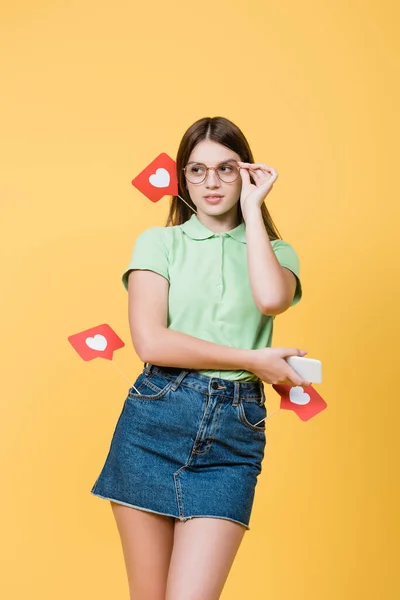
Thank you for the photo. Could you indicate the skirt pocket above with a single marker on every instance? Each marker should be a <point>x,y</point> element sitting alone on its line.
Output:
<point>149,388</point>
<point>251,412</point>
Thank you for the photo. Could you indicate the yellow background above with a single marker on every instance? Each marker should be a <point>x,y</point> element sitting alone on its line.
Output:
<point>91,93</point>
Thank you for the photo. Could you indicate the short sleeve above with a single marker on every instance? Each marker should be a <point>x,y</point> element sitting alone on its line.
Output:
<point>150,253</point>
<point>287,257</point>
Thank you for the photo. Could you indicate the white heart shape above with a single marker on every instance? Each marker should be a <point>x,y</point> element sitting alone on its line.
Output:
<point>98,342</point>
<point>297,395</point>
<point>160,178</point>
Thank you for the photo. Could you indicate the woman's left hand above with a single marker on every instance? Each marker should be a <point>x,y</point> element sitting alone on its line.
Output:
<point>254,195</point>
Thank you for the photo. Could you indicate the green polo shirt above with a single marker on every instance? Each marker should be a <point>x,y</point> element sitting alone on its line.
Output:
<point>209,287</point>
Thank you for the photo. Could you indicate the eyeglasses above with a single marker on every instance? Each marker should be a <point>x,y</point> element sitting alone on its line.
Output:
<point>228,172</point>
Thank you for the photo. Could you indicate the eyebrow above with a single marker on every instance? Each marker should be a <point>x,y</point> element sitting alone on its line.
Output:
<point>197,162</point>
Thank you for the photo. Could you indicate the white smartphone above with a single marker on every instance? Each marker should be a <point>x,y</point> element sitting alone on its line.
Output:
<point>309,369</point>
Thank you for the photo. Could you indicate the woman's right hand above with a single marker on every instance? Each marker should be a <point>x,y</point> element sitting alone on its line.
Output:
<point>269,365</point>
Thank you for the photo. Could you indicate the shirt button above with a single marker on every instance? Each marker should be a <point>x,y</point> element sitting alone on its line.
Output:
<point>214,385</point>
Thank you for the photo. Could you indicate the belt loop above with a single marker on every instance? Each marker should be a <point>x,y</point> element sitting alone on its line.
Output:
<point>236,393</point>
<point>147,369</point>
<point>178,380</point>
<point>262,393</point>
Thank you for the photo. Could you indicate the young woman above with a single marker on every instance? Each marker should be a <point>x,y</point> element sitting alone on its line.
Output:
<point>203,293</point>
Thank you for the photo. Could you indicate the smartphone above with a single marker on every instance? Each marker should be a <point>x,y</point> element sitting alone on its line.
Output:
<point>309,369</point>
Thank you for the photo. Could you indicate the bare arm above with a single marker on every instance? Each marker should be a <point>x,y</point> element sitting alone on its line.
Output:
<point>272,285</point>
<point>155,343</point>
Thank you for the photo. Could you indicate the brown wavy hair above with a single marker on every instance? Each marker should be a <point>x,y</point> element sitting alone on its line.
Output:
<point>222,131</point>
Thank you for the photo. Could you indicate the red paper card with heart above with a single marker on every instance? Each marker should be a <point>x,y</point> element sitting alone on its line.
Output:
<point>305,402</point>
<point>97,342</point>
<point>158,178</point>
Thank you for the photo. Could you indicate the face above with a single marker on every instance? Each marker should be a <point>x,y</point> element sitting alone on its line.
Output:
<point>213,197</point>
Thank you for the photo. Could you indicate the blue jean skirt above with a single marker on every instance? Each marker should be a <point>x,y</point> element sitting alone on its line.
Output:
<point>187,445</point>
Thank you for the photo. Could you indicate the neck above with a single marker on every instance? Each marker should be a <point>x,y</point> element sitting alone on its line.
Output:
<point>219,223</point>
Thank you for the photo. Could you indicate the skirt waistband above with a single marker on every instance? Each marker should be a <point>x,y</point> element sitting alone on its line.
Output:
<point>211,385</point>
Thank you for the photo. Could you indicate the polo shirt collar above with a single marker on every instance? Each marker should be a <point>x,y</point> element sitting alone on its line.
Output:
<point>195,229</point>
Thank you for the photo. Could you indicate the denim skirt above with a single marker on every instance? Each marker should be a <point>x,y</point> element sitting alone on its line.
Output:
<point>187,445</point>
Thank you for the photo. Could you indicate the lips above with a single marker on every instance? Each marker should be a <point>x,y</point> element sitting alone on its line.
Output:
<point>213,199</point>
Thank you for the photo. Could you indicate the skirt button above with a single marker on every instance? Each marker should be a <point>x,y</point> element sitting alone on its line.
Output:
<point>214,385</point>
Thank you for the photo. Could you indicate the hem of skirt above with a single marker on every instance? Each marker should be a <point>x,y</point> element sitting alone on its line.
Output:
<point>133,505</point>
<point>217,517</point>
<point>168,514</point>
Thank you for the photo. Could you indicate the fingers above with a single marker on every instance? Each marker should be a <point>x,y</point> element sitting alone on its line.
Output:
<point>254,166</point>
<point>245,175</point>
<point>300,382</point>
<point>292,352</point>
<point>296,380</point>
<point>259,169</point>
<point>294,377</point>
